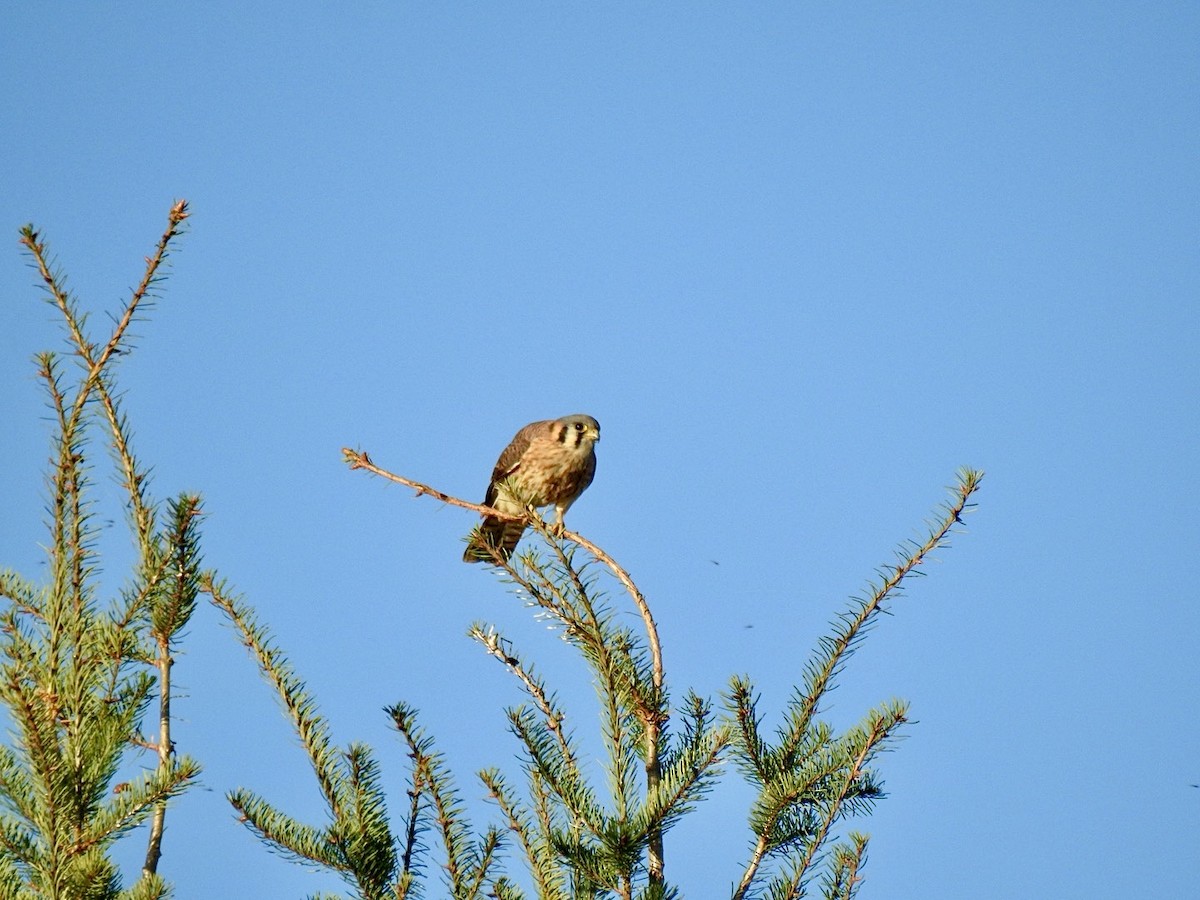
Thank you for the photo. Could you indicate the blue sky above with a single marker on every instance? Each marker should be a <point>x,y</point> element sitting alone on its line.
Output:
<point>801,261</point>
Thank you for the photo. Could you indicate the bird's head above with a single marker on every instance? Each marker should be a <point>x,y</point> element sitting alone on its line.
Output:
<point>578,429</point>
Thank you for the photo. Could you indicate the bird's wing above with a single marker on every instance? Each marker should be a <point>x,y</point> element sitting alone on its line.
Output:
<point>589,472</point>
<point>510,459</point>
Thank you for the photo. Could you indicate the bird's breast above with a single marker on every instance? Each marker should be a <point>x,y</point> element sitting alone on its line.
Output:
<point>551,472</point>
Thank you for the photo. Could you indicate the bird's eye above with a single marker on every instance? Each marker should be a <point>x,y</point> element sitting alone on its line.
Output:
<point>579,426</point>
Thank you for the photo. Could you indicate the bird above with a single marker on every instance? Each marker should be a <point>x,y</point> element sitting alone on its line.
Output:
<point>550,462</point>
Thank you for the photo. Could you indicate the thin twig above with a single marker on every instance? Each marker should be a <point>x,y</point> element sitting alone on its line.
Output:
<point>358,459</point>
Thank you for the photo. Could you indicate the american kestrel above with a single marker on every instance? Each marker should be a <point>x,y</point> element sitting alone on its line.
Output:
<point>549,462</point>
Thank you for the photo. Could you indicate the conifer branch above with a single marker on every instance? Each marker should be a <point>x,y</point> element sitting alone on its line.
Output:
<point>300,842</point>
<point>409,857</point>
<point>15,785</point>
<point>838,647</point>
<point>365,835</point>
<point>11,882</point>
<point>175,602</point>
<point>611,653</point>
<point>502,650</point>
<point>62,490</point>
<point>843,880</point>
<point>69,539</point>
<point>135,800</point>
<point>300,706</point>
<point>25,597</point>
<point>880,727</point>
<point>608,649</point>
<point>504,889</point>
<point>486,857</point>
<point>79,653</point>
<point>753,756</point>
<point>565,783</point>
<point>682,784</point>
<point>134,477</point>
<point>793,784</point>
<point>534,840</point>
<point>85,349</point>
<point>358,844</point>
<point>358,459</point>
<point>147,888</point>
<point>773,816</point>
<point>468,864</point>
<point>631,588</point>
<point>20,845</point>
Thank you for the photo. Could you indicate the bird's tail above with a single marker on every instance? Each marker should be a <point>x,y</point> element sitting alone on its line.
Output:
<point>491,537</point>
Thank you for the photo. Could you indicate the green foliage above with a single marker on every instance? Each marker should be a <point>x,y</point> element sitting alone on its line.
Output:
<point>358,842</point>
<point>77,673</point>
<point>811,778</point>
<point>577,838</point>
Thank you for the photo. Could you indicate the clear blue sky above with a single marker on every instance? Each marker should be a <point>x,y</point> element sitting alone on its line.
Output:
<point>801,261</point>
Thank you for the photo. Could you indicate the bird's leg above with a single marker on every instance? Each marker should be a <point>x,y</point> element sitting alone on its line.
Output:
<point>559,525</point>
